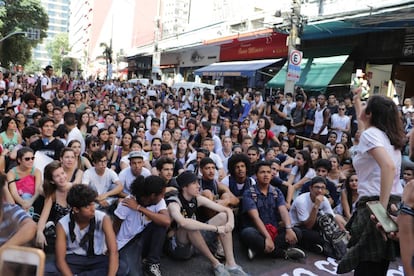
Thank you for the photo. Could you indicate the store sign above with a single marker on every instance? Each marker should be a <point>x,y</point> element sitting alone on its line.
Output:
<point>270,46</point>
<point>295,59</point>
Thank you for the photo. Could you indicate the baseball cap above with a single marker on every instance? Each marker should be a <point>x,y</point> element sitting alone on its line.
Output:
<point>135,154</point>
<point>283,129</point>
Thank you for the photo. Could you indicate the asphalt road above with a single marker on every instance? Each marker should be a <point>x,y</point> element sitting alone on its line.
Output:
<point>312,265</point>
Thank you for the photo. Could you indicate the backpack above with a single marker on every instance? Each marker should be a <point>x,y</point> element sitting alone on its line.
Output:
<point>336,240</point>
<point>245,221</point>
<point>38,88</point>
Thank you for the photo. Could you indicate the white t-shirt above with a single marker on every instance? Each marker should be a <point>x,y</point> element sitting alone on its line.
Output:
<point>302,207</point>
<point>47,95</point>
<point>212,155</point>
<point>126,177</point>
<point>339,122</point>
<point>74,247</point>
<point>368,171</point>
<point>76,134</point>
<point>149,136</point>
<point>2,85</point>
<point>134,222</point>
<point>295,171</point>
<point>225,159</point>
<point>225,181</point>
<point>100,183</point>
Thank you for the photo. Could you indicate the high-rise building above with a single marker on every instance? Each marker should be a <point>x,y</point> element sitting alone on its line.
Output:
<point>58,12</point>
<point>95,23</point>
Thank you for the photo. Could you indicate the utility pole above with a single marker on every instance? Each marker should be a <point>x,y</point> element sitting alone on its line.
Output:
<point>156,57</point>
<point>293,39</point>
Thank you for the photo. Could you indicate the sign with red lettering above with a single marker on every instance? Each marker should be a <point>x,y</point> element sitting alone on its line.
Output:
<point>269,46</point>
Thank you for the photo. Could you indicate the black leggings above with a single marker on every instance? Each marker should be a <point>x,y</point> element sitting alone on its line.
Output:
<point>372,268</point>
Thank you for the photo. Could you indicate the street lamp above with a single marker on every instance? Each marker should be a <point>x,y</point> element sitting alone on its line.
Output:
<point>31,34</point>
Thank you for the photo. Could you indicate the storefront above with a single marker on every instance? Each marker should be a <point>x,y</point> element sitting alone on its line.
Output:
<point>248,60</point>
<point>139,67</point>
<point>239,74</point>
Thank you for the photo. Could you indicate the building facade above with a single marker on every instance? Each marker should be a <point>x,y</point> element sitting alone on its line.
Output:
<point>58,12</point>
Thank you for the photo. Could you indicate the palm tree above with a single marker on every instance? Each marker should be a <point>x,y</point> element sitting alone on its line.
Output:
<point>107,54</point>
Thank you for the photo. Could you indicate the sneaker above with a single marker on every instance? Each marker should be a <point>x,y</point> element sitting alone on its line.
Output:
<point>250,254</point>
<point>152,269</point>
<point>294,253</point>
<point>236,271</point>
<point>220,270</point>
<point>219,254</point>
<point>318,249</point>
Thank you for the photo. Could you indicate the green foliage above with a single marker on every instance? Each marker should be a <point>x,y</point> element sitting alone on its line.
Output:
<point>33,67</point>
<point>70,65</point>
<point>19,16</point>
<point>57,49</point>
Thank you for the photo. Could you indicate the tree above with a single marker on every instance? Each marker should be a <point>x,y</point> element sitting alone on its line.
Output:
<point>33,67</point>
<point>57,48</point>
<point>70,65</point>
<point>20,15</point>
<point>107,54</point>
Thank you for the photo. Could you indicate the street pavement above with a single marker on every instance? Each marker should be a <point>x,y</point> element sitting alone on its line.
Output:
<point>312,265</point>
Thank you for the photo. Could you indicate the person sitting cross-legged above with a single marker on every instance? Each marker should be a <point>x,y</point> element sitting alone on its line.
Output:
<point>141,222</point>
<point>312,212</point>
<point>85,239</point>
<point>263,206</point>
<point>187,229</point>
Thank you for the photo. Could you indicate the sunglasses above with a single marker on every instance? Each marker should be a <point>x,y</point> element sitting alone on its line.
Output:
<point>29,158</point>
<point>95,145</point>
<point>341,108</point>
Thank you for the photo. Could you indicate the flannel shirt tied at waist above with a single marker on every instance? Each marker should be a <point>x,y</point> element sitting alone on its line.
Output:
<point>366,243</point>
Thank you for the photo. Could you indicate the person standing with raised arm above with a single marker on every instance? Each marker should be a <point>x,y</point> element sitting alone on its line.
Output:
<point>377,162</point>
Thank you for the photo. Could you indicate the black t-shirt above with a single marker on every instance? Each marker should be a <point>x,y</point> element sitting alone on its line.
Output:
<point>51,149</point>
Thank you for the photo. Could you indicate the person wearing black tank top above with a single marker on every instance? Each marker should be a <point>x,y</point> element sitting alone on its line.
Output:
<point>187,229</point>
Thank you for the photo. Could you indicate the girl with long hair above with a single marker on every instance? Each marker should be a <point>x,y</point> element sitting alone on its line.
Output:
<point>214,119</point>
<point>69,165</point>
<point>335,174</point>
<point>55,187</point>
<point>83,123</point>
<point>21,121</point>
<point>92,144</point>
<point>127,125</point>
<point>235,135</point>
<point>301,173</point>
<point>82,162</point>
<point>349,196</point>
<point>183,151</point>
<point>344,157</point>
<point>260,140</point>
<point>167,137</point>
<point>377,163</point>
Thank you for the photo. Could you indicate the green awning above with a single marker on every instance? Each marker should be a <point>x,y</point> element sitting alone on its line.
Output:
<point>316,73</point>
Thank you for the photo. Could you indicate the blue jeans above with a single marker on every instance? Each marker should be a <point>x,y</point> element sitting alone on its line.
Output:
<point>148,244</point>
<point>86,266</point>
<point>254,240</point>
